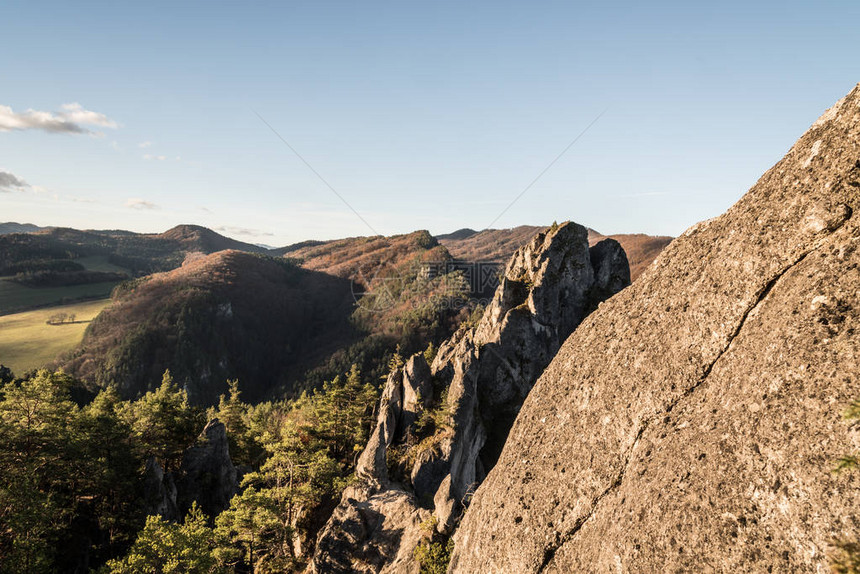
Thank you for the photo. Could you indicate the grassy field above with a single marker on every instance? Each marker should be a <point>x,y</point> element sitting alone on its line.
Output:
<point>28,342</point>
<point>15,297</point>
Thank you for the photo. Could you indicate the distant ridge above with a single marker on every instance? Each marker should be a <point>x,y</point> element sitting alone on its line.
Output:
<point>464,233</point>
<point>497,245</point>
<point>196,237</point>
<point>13,227</point>
<point>297,246</point>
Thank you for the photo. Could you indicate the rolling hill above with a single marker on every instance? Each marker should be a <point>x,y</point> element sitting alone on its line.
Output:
<point>223,316</point>
<point>13,227</point>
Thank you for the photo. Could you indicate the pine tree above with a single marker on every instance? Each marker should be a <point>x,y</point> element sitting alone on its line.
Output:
<point>163,547</point>
<point>164,423</point>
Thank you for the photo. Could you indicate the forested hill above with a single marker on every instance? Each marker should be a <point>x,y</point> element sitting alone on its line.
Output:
<point>276,324</point>
<point>58,247</point>
<point>218,317</point>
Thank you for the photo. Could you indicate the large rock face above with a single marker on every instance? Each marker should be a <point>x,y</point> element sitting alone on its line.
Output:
<point>691,423</point>
<point>475,386</point>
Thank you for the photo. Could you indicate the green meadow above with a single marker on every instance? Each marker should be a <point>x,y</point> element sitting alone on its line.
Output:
<point>28,342</point>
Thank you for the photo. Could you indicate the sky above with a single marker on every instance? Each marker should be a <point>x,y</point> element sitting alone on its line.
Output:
<point>276,122</point>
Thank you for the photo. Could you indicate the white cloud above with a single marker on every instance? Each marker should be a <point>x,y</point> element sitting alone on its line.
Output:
<point>71,119</point>
<point>144,144</point>
<point>244,231</point>
<point>76,113</point>
<point>11,182</point>
<point>137,203</point>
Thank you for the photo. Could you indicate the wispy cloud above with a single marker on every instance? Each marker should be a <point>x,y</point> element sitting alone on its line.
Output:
<point>70,119</point>
<point>11,182</point>
<point>244,231</point>
<point>137,203</point>
<point>144,144</point>
<point>150,157</point>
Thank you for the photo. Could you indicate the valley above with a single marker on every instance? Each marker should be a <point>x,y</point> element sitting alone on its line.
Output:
<point>430,288</point>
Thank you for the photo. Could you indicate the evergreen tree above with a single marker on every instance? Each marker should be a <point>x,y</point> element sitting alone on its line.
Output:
<point>163,547</point>
<point>110,467</point>
<point>265,519</point>
<point>37,489</point>
<point>235,415</point>
<point>163,423</point>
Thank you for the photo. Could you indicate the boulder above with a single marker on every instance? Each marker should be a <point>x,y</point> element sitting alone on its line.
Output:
<point>691,423</point>
<point>372,530</point>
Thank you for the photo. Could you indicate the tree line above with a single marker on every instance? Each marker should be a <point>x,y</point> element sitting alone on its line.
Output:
<point>72,498</point>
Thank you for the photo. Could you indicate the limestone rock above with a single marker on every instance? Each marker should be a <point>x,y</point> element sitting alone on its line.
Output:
<point>207,474</point>
<point>159,491</point>
<point>371,531</point>
<point>548,287</point>
<point>406,393</point>
<point>371,464</point>
<point>691,423</point>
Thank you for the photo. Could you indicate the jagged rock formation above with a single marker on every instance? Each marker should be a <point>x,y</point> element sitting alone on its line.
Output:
<point>441,428</point>
<point>691,423</point>
<point>206,476</point>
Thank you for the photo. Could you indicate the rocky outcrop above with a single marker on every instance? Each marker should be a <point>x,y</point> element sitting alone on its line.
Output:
<point>206,476</point>
<point>373,529</point>
<point>691,423</point>
<point>441,428</point>
<point>159,491</point>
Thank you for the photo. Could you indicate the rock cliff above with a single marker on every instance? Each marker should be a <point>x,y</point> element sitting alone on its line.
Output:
<point>691,423</point>
<point>206,476</point>
<point>440,428</point>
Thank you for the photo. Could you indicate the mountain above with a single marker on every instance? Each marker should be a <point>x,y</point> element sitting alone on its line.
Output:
<point>691,423</point>
<point>60,249</point>
<point>278,251</point>
<point>227,315</point>
<point>363,256</point>
<point>497,245</point>
<point>203,239</point>
<point>12,227</point>
<point>464,233</point>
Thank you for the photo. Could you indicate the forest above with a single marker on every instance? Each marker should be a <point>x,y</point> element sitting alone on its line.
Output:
<point>74,495</point>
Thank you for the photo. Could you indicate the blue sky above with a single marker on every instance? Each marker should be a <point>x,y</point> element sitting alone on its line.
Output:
<point>422,115</point>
